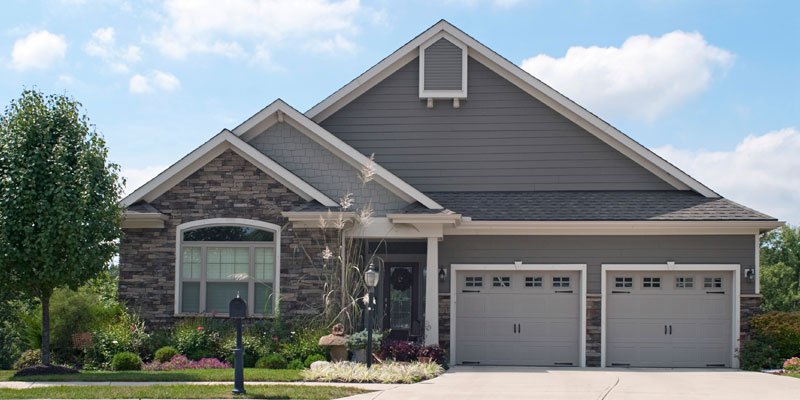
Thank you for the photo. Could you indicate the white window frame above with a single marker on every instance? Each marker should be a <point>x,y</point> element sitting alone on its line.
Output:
<point>734,269</point>
<point>205,223</point>
<point>443,94</point>
<point>581,268</point>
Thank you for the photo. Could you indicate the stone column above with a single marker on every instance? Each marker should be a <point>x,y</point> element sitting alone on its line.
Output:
<point>432,293</point>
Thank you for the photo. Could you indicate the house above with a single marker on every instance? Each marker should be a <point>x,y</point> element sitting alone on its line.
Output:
<point>517,228</point>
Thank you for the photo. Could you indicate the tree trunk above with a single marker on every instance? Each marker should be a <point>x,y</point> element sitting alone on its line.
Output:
<point>46,327</point>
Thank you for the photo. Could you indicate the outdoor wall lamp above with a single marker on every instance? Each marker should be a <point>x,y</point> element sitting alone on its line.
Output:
<point>749,274</point>
<point>442,274</point>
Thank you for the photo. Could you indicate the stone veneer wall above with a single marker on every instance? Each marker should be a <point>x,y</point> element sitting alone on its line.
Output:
<point>594,309</point>
<point>227,187</point>
<point>749,305</point>
<point>444,321</point>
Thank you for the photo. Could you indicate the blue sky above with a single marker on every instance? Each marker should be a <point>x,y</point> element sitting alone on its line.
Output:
<point>713,85</point>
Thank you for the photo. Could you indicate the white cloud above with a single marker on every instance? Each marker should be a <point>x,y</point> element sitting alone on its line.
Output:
<point>103,45</point>
<point>761,172</point>
<point>332,45</point>
<point>643,79</point>
<point>249,28</point>
<point>153,80</point>
<point>38,50</point>
<point>135,178</point>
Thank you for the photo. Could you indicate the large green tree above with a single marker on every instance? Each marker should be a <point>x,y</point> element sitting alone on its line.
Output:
<point>59,200</point>
<point>780,269</point>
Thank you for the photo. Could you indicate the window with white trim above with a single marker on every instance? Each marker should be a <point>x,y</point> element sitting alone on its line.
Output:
<point>533,281</point>
<point>623,282</point>
<point>474,281</point>
<point>219,262</point>
<point>501,281</point>
<point>560,281</point>
<point>651,282</point>
<point>715,282</point>
<point>684,282</point>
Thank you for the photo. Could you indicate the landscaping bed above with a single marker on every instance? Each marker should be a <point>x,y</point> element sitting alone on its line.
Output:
<point>179,392</point>
<point>194,375</point>
<point>390,372</point>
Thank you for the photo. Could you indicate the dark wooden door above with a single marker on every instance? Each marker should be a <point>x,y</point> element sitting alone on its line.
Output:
<point>401,301</point>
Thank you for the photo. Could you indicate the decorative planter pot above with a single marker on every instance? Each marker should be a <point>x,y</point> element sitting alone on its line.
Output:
<point>359,356</point>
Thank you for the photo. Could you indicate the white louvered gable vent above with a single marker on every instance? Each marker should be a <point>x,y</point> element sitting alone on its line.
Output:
<point>443,68</point>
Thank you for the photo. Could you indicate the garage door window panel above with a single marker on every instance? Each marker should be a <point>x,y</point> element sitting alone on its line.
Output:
<point>713,283</point>
<point>684,282</point>
<point>533,281</point>
<point>560,281</point>
<point>473,281</point>
<point>651,282</point>
<point>501,281</point>
<point>623,282</point>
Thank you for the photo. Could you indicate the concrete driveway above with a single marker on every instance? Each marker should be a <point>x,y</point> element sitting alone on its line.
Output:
<point>595,384</point>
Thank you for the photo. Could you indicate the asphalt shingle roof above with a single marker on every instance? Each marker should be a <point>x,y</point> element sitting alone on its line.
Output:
<point>583,206</point>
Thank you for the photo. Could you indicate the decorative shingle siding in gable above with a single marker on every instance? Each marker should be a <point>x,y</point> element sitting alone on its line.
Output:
<point>322,169</point>
<point>443,66</point>
<point>500,139</point>
<point>226,187</point>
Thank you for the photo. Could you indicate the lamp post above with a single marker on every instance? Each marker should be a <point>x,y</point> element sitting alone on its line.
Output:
<point>371,279</point>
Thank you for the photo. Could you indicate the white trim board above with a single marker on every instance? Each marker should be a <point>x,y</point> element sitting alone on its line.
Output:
<point>670,267</point>
<point>571,110</point>
<point>466,227</point>
<point>455,268</point>
<point>228,221</point>
<point>212,149</point>
<point>279,111</point>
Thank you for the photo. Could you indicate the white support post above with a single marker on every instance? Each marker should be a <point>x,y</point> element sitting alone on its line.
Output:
<point>432,293</point>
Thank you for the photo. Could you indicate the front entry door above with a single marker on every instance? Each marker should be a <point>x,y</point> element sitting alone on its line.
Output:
<point>401,301</point>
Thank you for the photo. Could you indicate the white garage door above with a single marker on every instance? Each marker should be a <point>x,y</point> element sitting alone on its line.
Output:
<point>669,319</point>
<point>518,317</point>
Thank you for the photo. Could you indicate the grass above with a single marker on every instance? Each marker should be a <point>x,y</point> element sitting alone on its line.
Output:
<point>179,392</point>
<point>794,375</point>
<point>189,375</point>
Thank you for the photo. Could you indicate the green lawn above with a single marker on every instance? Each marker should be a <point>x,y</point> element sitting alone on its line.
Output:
<point>797,375</point>
<point>178,392</point>
<point>189,375</point>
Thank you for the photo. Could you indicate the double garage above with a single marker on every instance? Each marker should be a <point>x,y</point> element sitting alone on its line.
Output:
<point>665,315</point>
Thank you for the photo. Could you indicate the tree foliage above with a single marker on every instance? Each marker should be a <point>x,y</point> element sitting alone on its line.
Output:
<point>780,269</point>
<point>59,199</point>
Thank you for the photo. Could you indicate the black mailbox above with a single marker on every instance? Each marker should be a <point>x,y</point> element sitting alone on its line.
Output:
<point>237,308</point>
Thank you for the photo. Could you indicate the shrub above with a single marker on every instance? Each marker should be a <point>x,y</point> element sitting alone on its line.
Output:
<point>295,364</point>
<point>399,350</point>
<point>165,354</point>
<point>304,342</point>
<point>383,373</point>
<point>195,341</point>
<point>436,353</point>
<point>781,329</point>
<point>271,361</point>
<point>758,354</point>
<point>792,365</point>
<point>314,357</point>
<point>126,361</point>
<point>180,362</point>
<point>126,334</point>
<point>28,358</point>
<point>358,340</point>
<point>252,345</point>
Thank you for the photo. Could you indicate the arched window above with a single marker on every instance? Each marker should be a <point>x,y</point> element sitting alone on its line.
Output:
<point>222,257</point>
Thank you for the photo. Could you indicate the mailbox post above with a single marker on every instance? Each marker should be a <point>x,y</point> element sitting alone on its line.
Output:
<point>238,311</point>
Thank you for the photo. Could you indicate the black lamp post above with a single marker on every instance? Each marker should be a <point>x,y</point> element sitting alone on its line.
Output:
<point>237,310</point>
<point>371,279</point>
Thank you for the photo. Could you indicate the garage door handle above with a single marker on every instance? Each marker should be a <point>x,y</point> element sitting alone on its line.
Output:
<point>670,329</point>
<point>470,291</point>
<point>619,291</point>
<point>515,328</point>
<point>563,291</point>
<point>519,328</point>
<point>715,292</point>
<point>665,329</point>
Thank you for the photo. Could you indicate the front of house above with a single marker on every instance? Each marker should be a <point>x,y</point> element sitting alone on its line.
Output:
<point>513,226</point>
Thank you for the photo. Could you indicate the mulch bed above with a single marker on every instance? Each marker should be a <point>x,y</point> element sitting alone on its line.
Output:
<point>46,370</point>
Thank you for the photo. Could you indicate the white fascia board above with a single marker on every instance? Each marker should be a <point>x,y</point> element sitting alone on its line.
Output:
<point>560,103</point>
<point>315,216</point>
<point>336,146</point>
<point>143,220</point>
<point>211,149</point>
<point>424,218</point>
<point>611,227</point>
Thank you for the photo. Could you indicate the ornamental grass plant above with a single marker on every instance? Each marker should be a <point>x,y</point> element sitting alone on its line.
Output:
<point>391,372</point>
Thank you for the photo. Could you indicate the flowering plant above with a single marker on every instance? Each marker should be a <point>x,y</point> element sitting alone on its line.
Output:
<point>179,362</point>
<point>792,364</point>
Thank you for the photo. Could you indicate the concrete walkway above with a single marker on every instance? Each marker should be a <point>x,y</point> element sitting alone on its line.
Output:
<point>29,385</point>
<point>509,383</point>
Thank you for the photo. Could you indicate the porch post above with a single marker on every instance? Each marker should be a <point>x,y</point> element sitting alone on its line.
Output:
<point>432,293</point>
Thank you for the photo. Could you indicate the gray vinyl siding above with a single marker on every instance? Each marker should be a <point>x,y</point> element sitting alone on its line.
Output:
<point>443,66</point>
<point>322,169</point>
<point>596,250</point>
<point>500,139</point>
